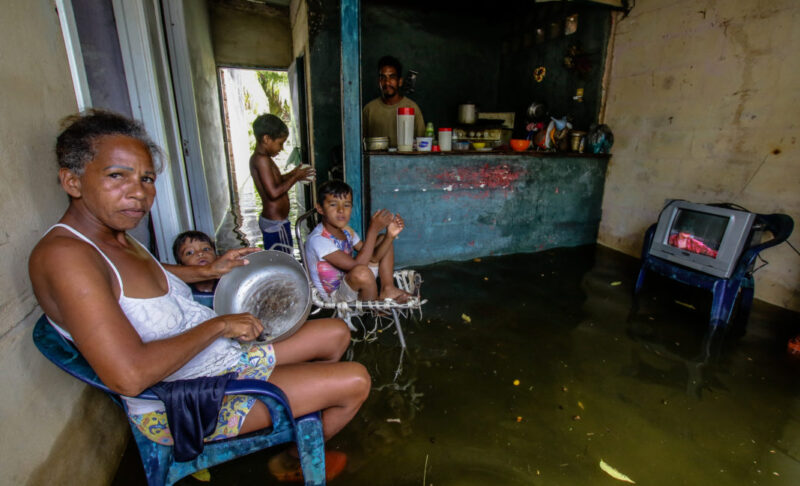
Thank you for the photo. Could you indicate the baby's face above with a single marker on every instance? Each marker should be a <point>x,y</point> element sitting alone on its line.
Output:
<point>197,252</point>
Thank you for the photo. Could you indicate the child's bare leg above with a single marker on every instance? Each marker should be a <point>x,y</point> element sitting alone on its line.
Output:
<point>386,273</point>
<point>361,279</point>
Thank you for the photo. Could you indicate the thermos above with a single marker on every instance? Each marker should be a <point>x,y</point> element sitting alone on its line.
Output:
<point>445,139</point>
<point>405,129</point>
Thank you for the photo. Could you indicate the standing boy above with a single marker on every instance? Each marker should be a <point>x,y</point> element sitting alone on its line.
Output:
<point>272,186</point>
<point>335,272</point>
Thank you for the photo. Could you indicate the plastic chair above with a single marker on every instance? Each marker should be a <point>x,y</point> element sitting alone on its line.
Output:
<point>724,291</point>
<point>159,464</point>
<point>407,280</point>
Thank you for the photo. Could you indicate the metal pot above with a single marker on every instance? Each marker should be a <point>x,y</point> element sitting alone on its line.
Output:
<point>466,114</point>
<point>273,287</point>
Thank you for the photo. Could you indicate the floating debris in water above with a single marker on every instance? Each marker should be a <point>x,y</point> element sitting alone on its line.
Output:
<point>581,405</point>
<point>393,420</point>
<point>688,306</point>
<point>576,417</point>
<point>486,278</point>
<point>466,318</point>
<point>476,259</point>
<point>616,283</point>
<point>614,473</point>
<point>519,419</point>
<point>563,388</point>
<point>516,382</point>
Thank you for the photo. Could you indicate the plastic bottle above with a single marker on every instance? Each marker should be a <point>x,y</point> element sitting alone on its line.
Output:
<point>405,129</point>
<point>445,139</point>
<point>429,130</point>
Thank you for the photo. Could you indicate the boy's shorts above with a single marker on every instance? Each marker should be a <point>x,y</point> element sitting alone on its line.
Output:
<point>276,232</point>
<point>344,293</point>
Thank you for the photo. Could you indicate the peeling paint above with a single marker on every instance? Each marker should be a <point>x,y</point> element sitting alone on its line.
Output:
<point>491,177</point>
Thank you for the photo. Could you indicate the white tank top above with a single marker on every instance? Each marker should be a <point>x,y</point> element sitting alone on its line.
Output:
<point>165,316</point>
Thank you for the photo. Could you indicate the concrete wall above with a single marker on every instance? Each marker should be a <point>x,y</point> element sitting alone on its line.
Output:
<point>257,37</point>
<point>54,430</point>
<point>702,101</point>
<point>208,108</point>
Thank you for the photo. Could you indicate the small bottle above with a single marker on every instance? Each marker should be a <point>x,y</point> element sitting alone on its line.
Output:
<point>429,129</point>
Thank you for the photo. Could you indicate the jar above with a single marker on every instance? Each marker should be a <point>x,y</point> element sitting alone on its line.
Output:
<point>405,129</point>
<point>445,139</point>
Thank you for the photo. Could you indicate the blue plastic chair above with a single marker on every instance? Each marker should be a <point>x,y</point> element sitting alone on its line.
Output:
<point>724,291</point>
<point>159,464</point>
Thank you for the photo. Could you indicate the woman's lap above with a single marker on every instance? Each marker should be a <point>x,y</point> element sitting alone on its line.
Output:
<point>257,363</point>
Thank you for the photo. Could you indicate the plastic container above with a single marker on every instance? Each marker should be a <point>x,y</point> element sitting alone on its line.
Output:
<point>446,139</point>
<point>424,144</point>
<point>429,129</point>
<point>405,129</point>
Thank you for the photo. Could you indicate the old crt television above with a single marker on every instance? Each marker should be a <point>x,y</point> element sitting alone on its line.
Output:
<point>708,238</point>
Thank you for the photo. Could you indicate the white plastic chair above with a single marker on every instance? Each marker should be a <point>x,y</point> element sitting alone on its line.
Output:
<point>378,310</point>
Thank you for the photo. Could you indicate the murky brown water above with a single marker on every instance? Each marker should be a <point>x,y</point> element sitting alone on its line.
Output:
<point>553,374</point>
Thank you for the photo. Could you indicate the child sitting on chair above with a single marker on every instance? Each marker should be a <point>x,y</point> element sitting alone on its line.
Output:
<point>337,273</point>
<point>195,248</point>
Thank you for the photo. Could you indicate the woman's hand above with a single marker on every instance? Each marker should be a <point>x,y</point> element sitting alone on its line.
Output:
<point>242,327</point>
<point>230,260</point>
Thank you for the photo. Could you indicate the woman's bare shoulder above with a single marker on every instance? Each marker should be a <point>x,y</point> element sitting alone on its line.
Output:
<point>59,255</point>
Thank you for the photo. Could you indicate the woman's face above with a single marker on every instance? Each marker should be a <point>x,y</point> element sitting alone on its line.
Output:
<point>118,185</point>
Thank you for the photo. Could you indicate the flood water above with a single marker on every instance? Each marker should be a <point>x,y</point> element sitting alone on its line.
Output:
<point>531,369</point>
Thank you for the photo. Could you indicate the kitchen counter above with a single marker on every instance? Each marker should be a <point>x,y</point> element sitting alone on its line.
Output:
<point>462,205</point>
<point>507,152</point>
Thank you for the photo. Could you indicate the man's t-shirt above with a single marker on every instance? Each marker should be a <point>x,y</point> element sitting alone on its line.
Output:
<point>380,120</point>
<point>325,277</point>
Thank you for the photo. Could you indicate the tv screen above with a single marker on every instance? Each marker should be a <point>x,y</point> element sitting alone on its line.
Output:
<point>698,232</point>
<point>704,237</point>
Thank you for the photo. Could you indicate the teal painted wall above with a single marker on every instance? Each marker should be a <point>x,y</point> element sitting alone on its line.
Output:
<point>324,75</point>
<point>458,207</point>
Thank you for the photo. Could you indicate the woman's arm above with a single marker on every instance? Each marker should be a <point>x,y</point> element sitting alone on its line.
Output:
<point>77,289</point>
<point>216,269</point>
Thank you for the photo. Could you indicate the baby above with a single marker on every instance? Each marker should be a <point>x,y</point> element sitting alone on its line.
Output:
<point>195,248</point>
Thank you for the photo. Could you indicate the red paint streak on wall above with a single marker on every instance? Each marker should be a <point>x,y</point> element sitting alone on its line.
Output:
<point>499,177</point>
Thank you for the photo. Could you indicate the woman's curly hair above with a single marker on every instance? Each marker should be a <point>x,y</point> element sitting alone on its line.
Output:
<point>75,146</point>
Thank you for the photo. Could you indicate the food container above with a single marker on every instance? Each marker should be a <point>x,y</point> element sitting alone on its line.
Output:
<point>478,145</point>
<point>405,129</point>
<point>376,143</point>
<point>460,145</point>
<point>466,114</point>
<point>445,139</point>
<point>424,144</point>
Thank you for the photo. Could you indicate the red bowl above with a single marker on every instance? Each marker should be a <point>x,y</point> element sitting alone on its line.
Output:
<point>519,145</point>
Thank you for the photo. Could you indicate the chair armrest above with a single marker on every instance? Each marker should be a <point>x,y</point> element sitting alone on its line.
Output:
<point>780,225</point>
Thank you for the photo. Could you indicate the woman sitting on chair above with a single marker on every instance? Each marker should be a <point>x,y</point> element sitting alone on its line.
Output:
<point>136,323</point>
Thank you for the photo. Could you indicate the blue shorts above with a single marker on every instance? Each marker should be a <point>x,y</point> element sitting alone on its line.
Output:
<point>276,232</point>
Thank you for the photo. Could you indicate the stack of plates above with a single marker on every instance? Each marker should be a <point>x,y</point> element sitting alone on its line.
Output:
<point>376,143</point>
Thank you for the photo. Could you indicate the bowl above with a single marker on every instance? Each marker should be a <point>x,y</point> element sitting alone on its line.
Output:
<point>376,143</point>
<point>478,145</point>
<point>519,144</point>
<point>273,287</point>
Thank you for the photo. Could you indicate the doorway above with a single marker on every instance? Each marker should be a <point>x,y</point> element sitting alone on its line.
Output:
<point>247,93</point>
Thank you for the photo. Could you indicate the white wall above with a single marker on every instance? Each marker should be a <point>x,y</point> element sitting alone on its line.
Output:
<point>702,99</point>
<point>39,406</point>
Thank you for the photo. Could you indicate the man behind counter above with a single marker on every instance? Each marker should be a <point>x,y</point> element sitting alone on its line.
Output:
<point>379,116</point>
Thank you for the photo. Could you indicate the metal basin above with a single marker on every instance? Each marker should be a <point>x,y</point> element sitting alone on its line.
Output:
<point>273,287</point>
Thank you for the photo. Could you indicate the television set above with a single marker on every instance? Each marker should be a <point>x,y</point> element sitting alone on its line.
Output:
<point>703,237</point>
